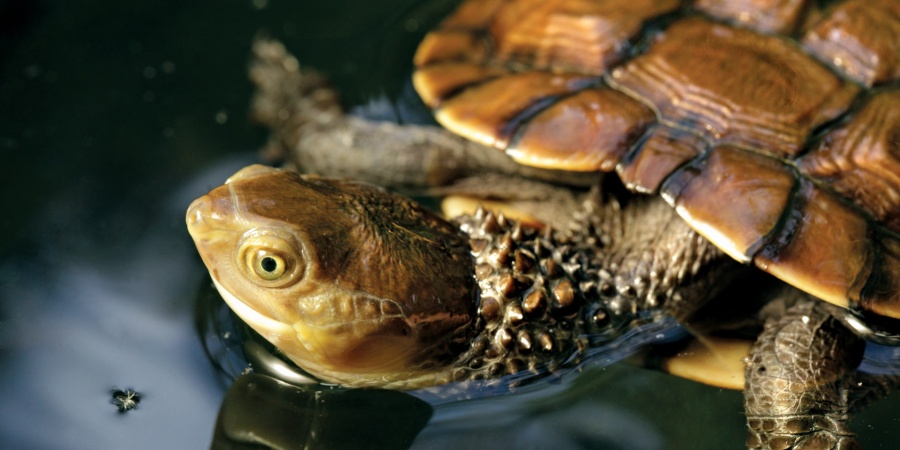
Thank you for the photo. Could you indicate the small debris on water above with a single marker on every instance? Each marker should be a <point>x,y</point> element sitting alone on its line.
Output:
<point>125,400</point>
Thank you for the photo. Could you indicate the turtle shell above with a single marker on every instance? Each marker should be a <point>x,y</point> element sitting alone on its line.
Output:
<point>773,127</point>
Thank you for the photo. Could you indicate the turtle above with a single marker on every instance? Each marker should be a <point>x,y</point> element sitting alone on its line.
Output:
<point>768,131</point>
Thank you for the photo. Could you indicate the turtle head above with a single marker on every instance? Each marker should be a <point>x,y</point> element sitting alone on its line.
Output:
<point>354,284</point>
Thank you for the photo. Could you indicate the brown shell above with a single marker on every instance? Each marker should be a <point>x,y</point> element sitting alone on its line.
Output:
<point>772,126</point>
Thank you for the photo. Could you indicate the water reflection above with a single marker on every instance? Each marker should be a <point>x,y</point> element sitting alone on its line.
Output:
<point>260,410</point>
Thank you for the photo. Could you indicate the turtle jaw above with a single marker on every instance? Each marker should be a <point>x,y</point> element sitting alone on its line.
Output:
<point>332,350</point>
<point>331,353</point>
<point>272,330</point>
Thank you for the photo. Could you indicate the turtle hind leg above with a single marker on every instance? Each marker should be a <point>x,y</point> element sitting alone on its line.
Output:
<point>799,379</point>
<point>312,133</point>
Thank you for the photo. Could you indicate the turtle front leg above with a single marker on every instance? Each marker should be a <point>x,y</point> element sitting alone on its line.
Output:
<point>798,381</point>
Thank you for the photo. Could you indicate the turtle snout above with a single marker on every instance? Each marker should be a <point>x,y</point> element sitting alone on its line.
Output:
<point>195,213</point>
<point>211,213</point>
<point>197,216</point>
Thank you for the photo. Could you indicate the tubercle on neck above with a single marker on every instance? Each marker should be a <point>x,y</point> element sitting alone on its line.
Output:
<point>539,299</point>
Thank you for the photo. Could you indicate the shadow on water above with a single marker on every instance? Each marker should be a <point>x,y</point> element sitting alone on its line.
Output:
<point>113,116</point>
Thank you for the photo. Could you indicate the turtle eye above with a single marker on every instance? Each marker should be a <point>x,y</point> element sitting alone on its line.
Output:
<point>270,260</point>
<point>268,265</point>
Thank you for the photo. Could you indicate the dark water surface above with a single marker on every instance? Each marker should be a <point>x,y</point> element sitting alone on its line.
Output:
<point>113,117</point>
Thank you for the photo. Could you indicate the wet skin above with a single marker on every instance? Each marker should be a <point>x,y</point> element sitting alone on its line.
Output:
<point>342,292</point>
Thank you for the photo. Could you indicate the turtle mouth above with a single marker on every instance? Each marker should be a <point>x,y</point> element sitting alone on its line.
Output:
<point>271,329</point>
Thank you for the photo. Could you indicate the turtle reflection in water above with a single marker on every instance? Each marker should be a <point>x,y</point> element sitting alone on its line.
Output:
<point>767,155</point>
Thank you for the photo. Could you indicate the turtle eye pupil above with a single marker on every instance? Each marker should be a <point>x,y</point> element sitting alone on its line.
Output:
<point>269,264</point>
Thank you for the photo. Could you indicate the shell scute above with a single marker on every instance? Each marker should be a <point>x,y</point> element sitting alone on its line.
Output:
<point>591,129</point>
<point>749,123</point>
<point>513,99</point>
<point>450,45</point>
<point>436,81</point>
<point>765,16</point>
<point>824,248</point>
<point>861,158</point>
<point>657,157</point>
<point>732,197</point>
<point>881,293</point>
<point>730,85</point>
<point>579,36</point>
<point>861,39</point>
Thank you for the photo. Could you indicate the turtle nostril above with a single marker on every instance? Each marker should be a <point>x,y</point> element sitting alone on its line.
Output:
<point>211,212</point>
<point>196,213</point>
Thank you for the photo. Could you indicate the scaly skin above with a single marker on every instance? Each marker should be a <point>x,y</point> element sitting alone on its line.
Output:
<point>547,296</point>
<point>798,381</point>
